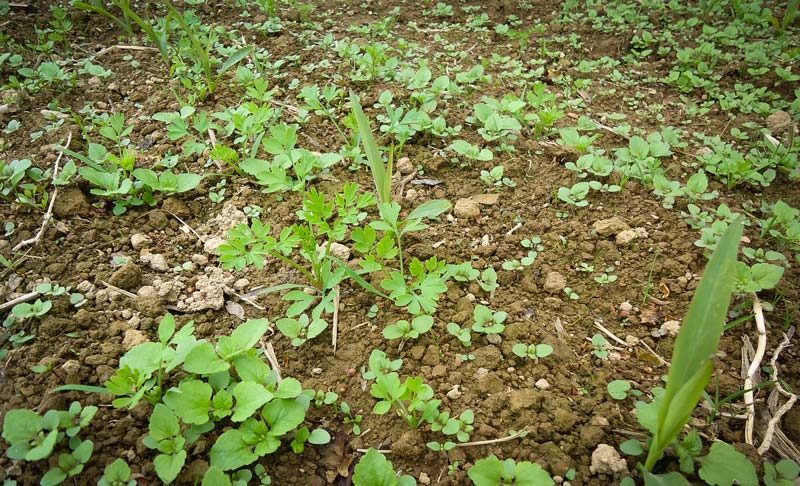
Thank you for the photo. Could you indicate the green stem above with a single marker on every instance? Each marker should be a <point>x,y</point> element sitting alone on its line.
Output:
<point>299,268</point>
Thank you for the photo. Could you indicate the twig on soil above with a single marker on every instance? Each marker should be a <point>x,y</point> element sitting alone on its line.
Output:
<point>661,360</point>
<point>248,301</point>
<point>335,330</point>
<point>792,398</point>
<point>560,329</point>
<point>18,300</point>
<point>119,290</point>
<point>269,352</point>
<point>755,364</point>
<point>512,230</point>
<point>130,48</point>
<point>49,213</point>
<point>515,435</point>
<point>610,334</point>
<point>184,223</point>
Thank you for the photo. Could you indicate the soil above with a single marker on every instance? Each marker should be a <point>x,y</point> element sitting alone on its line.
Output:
<point>568,415</point>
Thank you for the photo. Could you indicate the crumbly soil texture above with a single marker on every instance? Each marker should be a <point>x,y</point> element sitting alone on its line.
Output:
<point>153,259</point>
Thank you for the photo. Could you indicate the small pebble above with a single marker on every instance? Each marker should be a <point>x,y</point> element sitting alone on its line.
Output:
<point>542,384</point>
<point>316,371</point>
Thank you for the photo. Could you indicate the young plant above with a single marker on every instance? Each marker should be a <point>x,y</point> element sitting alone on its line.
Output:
<point>696,345</point>
<point>412,399</point>
<point>487,321</point>
<point>495,177</point>
<point>532,351</point>
<point>461,427</point>
<point>118,473</point>
<point>381,174</point>
<point>491,471</point>
<point>380,364</point>
<point>600,345</point>
<point>575,195</point>
<point>374,469</point>
<point>408,330</point>
<point>350,418</point>
<point>301,329</point>
<point>464,335</point>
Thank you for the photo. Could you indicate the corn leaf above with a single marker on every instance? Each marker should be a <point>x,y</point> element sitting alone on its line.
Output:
<point>697,343</point>
<point>381,174</point>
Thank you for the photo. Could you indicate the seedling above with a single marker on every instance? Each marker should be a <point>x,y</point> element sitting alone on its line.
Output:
<point>350,418</point>
<point>606,277</point>
<point>495,177</point>
<point>532,351</point>
<point>412,399</point>
<point>488,321</point>
<point>302,329</point>
<point>461,427</point>
<point>783,473</point>
<point>373,467</point>
<point>575,195</point>
<point>118,473</point>
<point>25,310</point>
<point>380,364</point>
<point>571,293</point>
<point>408,330</point>
<point>618,389</point>
<point>321,397</point>
<point>491,471</point>
<point>463,335</point>
<point>600,346</point>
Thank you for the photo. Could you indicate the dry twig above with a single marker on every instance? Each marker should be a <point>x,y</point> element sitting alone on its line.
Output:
<point>792,398</point>
<point>49,213</point>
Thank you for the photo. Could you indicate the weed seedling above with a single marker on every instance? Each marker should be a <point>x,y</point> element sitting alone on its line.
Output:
<point>488,321</point>
<point>532,351</point>
<point>600,346</point>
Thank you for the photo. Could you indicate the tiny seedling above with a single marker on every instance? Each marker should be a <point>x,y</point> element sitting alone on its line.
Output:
<point>571,293</point>
<point>491,471</point>
<point>118,473</point>
<point>606,277</point>
<point>25,310</point>
<point>600,346</point>
<point>618,389</point>
<point>495,177</point>
<point>532,351</point>
<point>350,418</point>
<point>408,330</point>
<point>464,335</point>
<point>374,469</point>
<point>380,364</point>
<point>488,321</point>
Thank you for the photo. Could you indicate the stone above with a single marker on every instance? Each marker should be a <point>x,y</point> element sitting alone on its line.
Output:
<point>149,306</point>
<point>554,282</point>
<point>210,245</point>
<point>671,327</point>
<point>71,202</point>
<point>488,199</point>
<point>779,121</point>
<point>158,219</point>
<point>625,237</point>
<point>610,227</point>
<point>466,208</point>
<point>542,384</point>
<point>438,371</point>
<point>132,338</point>
<point>404,165</point>
<point>156,261</point>
<point>126,277</point>
<point>139,241</point>
<point>340,251</point>
<point>241,284</point>
<point>606,460</point>
<point>454,393</point>
<point>424,478</point>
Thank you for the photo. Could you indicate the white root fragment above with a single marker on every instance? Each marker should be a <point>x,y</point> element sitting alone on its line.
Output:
<point>755,364</point>
<point>766,444</point>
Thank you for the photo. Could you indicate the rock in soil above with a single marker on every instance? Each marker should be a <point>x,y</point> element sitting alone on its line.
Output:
<point>126,277</point>
<point>71,202</point>
<point>610,226</point>
<point>606,460</point>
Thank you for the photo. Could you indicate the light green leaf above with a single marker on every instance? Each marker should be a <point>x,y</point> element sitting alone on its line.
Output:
<point>724,465</point>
